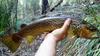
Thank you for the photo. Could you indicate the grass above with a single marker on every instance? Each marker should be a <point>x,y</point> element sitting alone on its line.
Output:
<point>6,19</point>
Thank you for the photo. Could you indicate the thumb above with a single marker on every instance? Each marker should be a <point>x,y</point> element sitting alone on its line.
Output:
<point>66,25</point>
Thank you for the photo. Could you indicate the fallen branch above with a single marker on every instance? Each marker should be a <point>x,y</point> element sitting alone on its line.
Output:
<point>56,5</point>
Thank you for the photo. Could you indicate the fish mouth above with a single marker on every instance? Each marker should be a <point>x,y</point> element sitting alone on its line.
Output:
<point>91,37</point>
<point>94,37</point>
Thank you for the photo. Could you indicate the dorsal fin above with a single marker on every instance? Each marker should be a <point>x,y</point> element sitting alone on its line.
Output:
<point>23,25</point>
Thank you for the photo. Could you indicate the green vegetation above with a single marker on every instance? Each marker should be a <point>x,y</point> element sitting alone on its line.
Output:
<point>13,13</point>
<point>7,15</point>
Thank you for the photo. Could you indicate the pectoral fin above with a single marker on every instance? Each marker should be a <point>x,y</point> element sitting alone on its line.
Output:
<point>30,39</point>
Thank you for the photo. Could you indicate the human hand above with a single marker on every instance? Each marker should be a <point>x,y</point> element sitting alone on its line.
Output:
<point>59,34</point>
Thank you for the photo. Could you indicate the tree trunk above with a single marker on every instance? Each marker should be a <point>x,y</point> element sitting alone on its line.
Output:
<point>45,6</point>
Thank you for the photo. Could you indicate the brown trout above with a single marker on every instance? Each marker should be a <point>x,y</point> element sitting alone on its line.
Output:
<point>47,24</point>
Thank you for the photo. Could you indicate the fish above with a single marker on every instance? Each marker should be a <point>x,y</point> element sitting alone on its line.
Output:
<point>47,24</point>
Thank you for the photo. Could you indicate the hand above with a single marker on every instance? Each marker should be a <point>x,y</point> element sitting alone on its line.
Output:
<point>59,34</point>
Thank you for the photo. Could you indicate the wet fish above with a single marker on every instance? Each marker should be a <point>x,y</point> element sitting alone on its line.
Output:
<point>47,24</point>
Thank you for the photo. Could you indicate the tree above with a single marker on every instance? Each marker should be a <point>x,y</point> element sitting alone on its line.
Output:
<point>45,6</point>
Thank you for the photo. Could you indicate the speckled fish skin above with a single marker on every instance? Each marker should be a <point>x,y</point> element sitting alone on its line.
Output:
<point>37,27</point>
<point>43,25</point>
<point>49,24</point>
